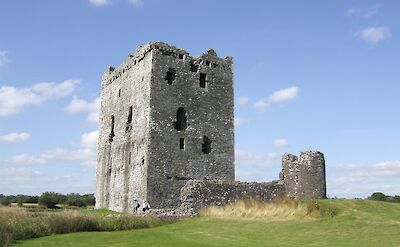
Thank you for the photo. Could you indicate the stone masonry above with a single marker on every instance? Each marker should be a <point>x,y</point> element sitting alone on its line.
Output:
<point>166,118</point>
<point>166,136</point>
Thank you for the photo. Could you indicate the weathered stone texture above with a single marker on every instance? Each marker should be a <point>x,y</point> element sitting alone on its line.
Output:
<point>166,135</point>
<point>304,177</point>
<point>197,194</point>
<point>144,156</point>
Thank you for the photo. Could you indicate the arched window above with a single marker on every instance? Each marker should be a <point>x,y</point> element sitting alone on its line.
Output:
<point>180,123</point>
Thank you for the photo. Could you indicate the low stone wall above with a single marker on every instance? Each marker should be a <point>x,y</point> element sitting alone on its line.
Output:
<point>197,194</point>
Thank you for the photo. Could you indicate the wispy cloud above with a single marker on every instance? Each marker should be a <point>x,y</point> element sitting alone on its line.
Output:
<point>15,136</point>
<point>362,180</point>
<point>136,3</point>
<point>374,35</point>
<point>100,2</point>
<point>4,57</point>
<point>240,121</point>
<point>243,100</point>
<point>363,12</point>
<point>280,143</point>
<point>91,107</point>
<point>13,99</point>
<point>85,153</point>
<point>244,158</point>
<point>279,96</point>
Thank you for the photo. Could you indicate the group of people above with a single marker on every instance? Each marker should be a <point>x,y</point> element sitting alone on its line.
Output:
<point>136,206</point>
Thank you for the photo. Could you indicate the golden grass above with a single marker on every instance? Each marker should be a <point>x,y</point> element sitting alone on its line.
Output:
<point>278,210</point>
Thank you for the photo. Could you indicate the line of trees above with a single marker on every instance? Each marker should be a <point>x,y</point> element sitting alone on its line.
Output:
<point>379,196</point>
<point>50,199</point>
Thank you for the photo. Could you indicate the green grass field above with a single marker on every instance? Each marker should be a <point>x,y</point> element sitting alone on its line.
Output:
<point>356,223</point>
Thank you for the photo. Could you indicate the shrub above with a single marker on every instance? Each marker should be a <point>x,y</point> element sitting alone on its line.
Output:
<point>378,196</point>
<point>49,199</point>
<point>5,201</point>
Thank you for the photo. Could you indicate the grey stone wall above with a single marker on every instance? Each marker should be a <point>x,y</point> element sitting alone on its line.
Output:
<point>197,194</point>
<point>142,158</point>
<point>122,156</point>
<point>209,112</point>
<point>304,177</point>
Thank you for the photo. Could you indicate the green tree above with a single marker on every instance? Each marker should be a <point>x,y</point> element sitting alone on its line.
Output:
<point>378,196</point>
<point>51,199</point>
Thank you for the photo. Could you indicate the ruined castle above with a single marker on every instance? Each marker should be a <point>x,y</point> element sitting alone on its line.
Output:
<point>167,136</point>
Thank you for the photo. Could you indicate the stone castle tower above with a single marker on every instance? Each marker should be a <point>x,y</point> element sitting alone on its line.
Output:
<point>166,118</point>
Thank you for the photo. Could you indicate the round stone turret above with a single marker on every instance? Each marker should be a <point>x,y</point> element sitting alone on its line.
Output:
<point>304,178</point>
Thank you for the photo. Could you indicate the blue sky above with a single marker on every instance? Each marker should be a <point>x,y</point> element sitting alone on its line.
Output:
<point>319,75</point>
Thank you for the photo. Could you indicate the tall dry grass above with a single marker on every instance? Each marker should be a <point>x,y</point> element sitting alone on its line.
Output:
<point>277,210</point>
<point>21,223</point>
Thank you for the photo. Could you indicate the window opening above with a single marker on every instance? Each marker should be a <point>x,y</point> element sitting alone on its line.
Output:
<point>181,143</point>
<point>111,135</point>
<point>206,145</point>
<point>170,77</point>
<point>203,80</point>
<point>129,121</point>
<point>181,119</point>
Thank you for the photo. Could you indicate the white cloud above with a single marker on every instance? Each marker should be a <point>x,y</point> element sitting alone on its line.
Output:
<point>279,96</point>
<point>136,3</point>
<point>13,137</point>
<point>243,158</point>
<point>25,180</point>
<point>362,180</point>
<point>280,143</point>
<point>363,12</point>
<point>374,35</point>
<point>243,100</point>
<point>4,57</point>
<point>80,105</point>
<point>239,121</point>
<point>85,153</point>
<point>284,95</point>
<point>261,105</point>
<point>100,2</point>
<point>13,99</point>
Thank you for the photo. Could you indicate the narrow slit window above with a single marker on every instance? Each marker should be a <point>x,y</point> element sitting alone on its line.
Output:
<point>119,93</point>
<point>111,136</point>
<point>180,123</point>
<point>170,76</point>
<point>181,143</point>
<point>129,120</point>
<point>206,145</point>
<point>180,56</point>
<point>129,158</point>
<point>203,80</point>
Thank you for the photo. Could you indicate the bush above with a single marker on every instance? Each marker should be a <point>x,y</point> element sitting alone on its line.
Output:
<point>5,201</point>
<point>50,199</point>
<point>378,196</point>
<point>75,200</point>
